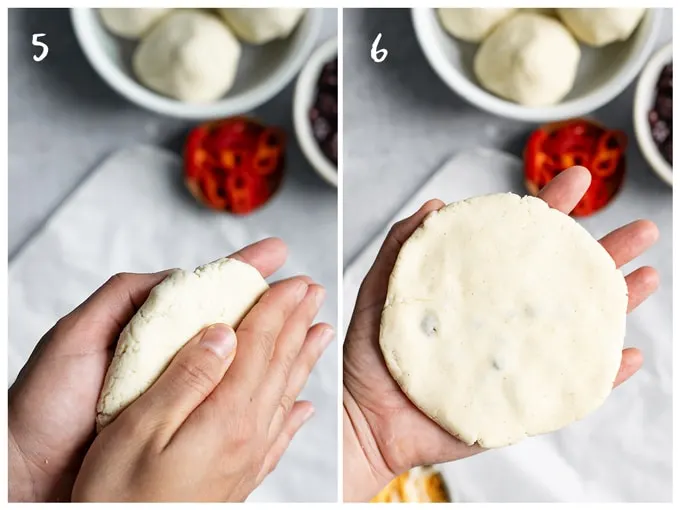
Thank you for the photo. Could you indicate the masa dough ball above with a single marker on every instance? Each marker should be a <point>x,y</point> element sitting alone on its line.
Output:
<point>262,25</point>
<point>130,23</point>
<point>471,25</point>
<point>177,308</point>
<point>546,11</point>
<point>529,59</point>
<point>599,27</point>
<point>190,56</point>
<point>504,318</point>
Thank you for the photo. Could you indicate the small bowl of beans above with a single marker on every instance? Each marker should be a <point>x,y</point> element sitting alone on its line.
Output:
<point>315,110</point>
<point>653,113</point>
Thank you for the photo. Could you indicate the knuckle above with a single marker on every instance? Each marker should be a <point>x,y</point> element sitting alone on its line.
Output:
<point>121,279</point>
<point>265,343</point>
<point>196,377</point>
<point>286,404</point>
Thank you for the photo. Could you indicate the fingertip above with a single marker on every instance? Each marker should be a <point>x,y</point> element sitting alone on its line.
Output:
<point>649,230</point>
<point>649,277</point>
<point>306,409</point>
<point>633,358</point>
<point>631,361</point>
<point>431,205</point>
<point>276,243</point>
<point>579,172</point>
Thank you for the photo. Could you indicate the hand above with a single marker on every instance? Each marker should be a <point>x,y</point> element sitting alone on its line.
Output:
<point>385,434</point>
<point>52,403</point>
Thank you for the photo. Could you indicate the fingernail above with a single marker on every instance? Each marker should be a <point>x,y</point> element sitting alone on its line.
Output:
<point>308,414</point>
<point>327,337</point>
<point>320,295</point>
<point>301,290</point>
<point>220,339</point>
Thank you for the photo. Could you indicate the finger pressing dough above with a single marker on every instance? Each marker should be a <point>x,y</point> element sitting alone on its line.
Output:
<point>190,55</point>
<point>179,307</point>
<point>599,27</point>
<point>130,23</point>
<point>262,25</point>
<point>530,59</point>
<point>503,319</point>
<point>471,25</point>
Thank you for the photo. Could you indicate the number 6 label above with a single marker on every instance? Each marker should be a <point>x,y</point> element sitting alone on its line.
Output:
<point>378,55</point>
<point>37,42</point>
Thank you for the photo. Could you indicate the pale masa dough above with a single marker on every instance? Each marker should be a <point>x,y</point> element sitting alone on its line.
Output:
<point>471,25</point>
<point>131,23</point>
<point>262,25</point>
<point>530,59</point>
<point>190,55</point>
<point>599,27</point>
<point>176,309</point>
<point>503,319</point>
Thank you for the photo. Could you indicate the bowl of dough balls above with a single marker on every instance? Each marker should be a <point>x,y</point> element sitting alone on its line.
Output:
<point>537,65</point>
<point>197,63</point>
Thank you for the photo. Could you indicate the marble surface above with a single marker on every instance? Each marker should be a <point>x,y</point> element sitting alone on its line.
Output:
<point>64,120</point>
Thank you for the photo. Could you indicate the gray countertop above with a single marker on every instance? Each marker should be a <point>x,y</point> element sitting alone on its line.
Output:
<point>401,122</point>
<point>64,120</point>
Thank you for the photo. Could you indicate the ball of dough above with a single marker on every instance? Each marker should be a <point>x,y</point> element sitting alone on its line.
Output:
<point>130,23</point>
<point>190,56</point>
<point>176,309</point>
<point>529,59</point>
<point>546,11</point>
<point>472,25</point>
<point>504,318</point>
<point>261,25</point>
<point>599,27</point>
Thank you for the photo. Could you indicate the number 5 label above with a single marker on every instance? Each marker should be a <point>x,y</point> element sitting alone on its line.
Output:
<point>37,42</point>
<point>378,55</point>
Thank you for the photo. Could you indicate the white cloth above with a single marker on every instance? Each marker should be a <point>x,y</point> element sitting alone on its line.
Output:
<point>133,214</point>
<point>621,452</point>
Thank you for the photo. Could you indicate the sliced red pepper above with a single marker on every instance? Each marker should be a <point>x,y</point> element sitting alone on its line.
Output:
<point>234,164</point>
<point>554,148</point>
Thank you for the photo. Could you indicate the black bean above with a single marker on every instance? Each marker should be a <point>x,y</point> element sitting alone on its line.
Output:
<point>667,150</point>
<point>660,118</point>
<point>664,107</point>
<point>324,113</point>
<point>321,128</point>
<point>660,132</point>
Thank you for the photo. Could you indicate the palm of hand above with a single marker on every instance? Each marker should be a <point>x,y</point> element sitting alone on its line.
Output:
<point>404,435</point>
<point>52,403</point>
<point>65,388</point>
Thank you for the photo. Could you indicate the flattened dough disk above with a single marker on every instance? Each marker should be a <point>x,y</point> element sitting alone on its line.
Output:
<point>504,319</point>
<point>176,309</point>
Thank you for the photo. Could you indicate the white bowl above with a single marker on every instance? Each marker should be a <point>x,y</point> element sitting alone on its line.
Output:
<point>645,92</point>
<point>263,70</point>
<point>603,72</point>
<point>305,93</point>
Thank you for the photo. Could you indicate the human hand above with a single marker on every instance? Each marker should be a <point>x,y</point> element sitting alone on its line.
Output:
<point>384,432</point>
<point>52,403</point>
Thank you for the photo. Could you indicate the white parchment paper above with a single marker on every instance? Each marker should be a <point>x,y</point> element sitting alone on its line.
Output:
<point>621,452</point>
<point>133,214</point>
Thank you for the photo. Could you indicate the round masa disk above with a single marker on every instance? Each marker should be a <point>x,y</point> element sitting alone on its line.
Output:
<point>504,319</point>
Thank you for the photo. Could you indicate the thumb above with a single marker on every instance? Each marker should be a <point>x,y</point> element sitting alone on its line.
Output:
<point>191,376</point>
<point>374,287</point>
